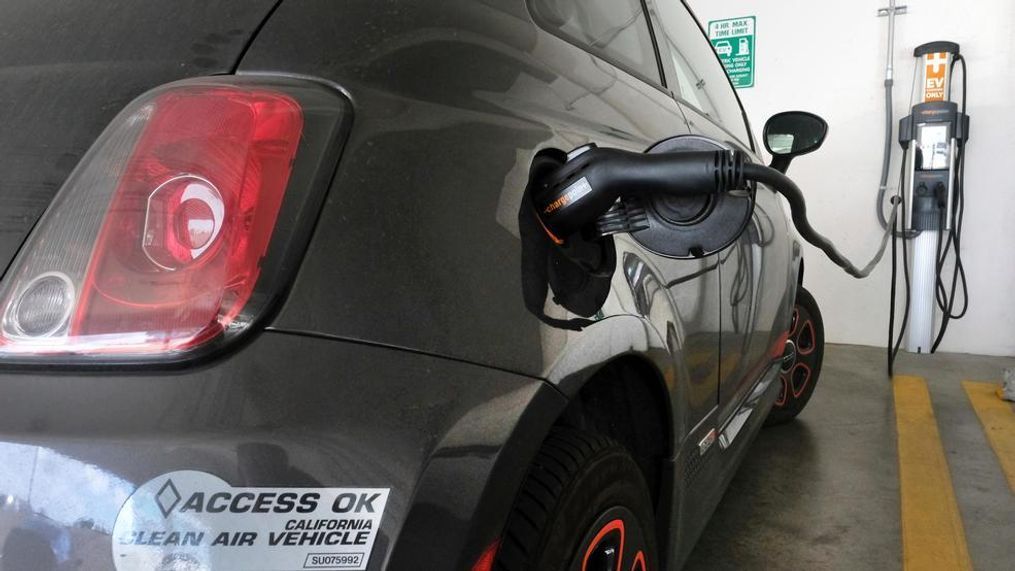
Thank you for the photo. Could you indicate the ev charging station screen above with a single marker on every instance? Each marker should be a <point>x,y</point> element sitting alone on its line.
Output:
<point>933,144</point>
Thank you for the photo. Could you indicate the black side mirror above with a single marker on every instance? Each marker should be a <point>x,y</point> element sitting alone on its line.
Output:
<point>791,134</point>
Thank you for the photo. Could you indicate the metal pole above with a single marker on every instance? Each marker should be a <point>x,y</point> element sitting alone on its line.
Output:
<point>890,12</point>
<point>890,64</point>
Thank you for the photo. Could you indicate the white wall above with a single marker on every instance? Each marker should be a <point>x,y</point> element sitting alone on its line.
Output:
<point>828,57</point>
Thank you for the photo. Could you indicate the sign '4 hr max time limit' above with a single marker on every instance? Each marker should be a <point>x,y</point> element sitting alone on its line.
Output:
<point>733,41</point>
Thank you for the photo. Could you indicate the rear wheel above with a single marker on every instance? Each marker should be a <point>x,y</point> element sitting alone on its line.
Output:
<point>801,364</point>
<point>584,506</point>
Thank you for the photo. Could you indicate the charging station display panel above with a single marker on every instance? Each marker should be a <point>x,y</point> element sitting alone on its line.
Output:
<point>933,145</point>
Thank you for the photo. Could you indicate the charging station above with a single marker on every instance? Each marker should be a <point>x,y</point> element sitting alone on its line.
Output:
<point>935,134</point>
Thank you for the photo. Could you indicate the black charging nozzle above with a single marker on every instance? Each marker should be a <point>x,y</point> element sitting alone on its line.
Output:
<point>590,179</point>
<point>571,191</point>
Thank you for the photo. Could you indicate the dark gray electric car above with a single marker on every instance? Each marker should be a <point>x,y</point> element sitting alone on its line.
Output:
<point>274,296</point>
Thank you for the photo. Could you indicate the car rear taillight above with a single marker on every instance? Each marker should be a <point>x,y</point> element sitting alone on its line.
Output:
<point>158,241</point>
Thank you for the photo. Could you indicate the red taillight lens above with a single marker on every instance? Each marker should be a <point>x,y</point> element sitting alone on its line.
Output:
<point>178,253</point>
<point>155,244</point>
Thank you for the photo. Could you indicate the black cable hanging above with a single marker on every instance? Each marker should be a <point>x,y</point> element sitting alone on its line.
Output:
<point>946,297</point>
<point>893,342</point>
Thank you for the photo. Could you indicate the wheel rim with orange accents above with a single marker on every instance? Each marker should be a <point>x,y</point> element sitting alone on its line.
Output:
<point>797,371</point>
<point>614,542</point>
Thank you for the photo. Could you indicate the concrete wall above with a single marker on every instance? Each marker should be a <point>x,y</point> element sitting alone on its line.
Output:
<point>828,57</point>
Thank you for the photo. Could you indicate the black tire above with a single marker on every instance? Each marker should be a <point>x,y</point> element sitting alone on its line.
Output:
<point>800,375</point>
<point>583,495</point>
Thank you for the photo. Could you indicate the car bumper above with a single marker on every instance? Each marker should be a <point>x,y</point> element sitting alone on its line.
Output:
<point>285,411</point>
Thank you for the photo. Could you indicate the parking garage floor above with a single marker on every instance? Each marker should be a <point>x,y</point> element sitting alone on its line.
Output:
<point>826,491</point>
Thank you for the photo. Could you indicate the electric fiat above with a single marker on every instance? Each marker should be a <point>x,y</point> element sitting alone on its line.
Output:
<point>306,284</point>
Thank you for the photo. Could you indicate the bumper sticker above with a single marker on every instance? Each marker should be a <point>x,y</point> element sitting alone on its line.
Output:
<point>194,520</point>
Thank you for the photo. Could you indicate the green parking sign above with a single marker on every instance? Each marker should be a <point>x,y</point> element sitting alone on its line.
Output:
<point>733,41</point>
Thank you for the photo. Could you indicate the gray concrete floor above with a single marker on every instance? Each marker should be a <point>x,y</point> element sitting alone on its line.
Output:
<point>822,492</point>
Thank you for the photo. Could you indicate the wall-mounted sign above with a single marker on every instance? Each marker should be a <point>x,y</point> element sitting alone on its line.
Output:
<point>733,40</point>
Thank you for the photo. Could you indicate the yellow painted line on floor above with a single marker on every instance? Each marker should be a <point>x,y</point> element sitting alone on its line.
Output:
<point>932,532</point>
<point>998,419</point>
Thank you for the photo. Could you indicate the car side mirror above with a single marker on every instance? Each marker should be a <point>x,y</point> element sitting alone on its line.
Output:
<point>791,134</point>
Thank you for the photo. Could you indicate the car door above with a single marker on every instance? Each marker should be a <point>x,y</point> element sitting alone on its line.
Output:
<point>752,272</point>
